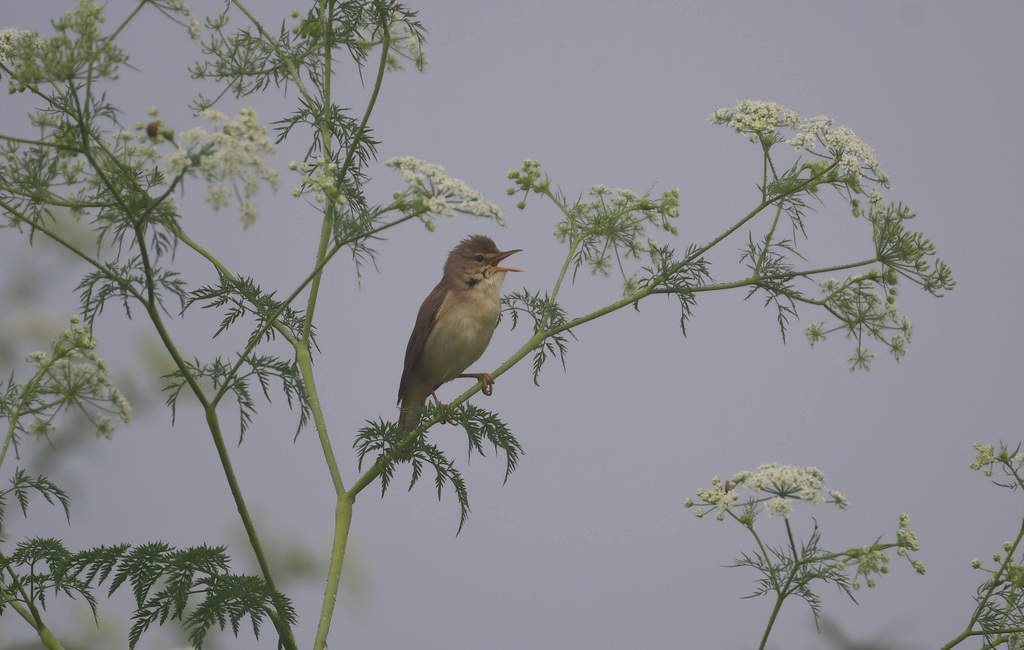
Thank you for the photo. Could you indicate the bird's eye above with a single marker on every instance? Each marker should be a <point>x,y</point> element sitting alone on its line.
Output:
<point>480,259</point>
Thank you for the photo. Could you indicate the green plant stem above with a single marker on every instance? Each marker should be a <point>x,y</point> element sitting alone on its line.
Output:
<point>213,424</point>
<point>342,525</point>
<point>765,202</point>
<point>283,629</point>
<point>47,638</point>
<point>969,631</point>
<point>294,74</point>
<point>780,597</point>
<point>271,320</point>
<point>16,413</point>
<point>326,142</point>
<point>29,612</point>
<point>149,301</point>
<point>574,242</point>
<point>751,281</point>
<point>343,509</point>
<point>765,159</point>
<point>124,23</point>
<point>325,135</point>
<point>537,339</point>
<point>10,436</point>
<point>767,242</point>
<point>781,591</point>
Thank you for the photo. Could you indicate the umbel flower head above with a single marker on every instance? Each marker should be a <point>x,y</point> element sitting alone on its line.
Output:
<point>70,376</point>
<point>768,123</point>
<point>231,159</point>
<point>433,191</point>
<point>772,487</point>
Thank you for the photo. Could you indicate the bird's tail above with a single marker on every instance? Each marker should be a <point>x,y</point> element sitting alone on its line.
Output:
<point>409,414</point>
<point>410,408</point>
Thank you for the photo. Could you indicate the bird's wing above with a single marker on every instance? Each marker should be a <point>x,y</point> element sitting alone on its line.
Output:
<point>424,323</point>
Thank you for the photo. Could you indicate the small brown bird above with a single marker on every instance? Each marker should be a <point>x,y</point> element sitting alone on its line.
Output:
<point>454,325</point>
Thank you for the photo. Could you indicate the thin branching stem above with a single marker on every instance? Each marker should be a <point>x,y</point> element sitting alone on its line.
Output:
<point>343,509</point>
<point>28,611</point>
<point>271,320</point>
<point>767,241</point>
<point>574,242</point>
<point>994,583</point>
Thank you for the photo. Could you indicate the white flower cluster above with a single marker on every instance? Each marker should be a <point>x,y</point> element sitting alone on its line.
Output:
<point>804,483</point>
<point>987,457</point>
<point>436,192</point>
<point>756,118</point>
<point>780,485</point>
<point>763,122</point>
<point>872,561</point>
<point>12,40</point>
<point>406,44</point>
<point>905,537</point>
<point>721,496</point>
<point>855,157</point>
<point>230,159</point>
<point>71,374</point>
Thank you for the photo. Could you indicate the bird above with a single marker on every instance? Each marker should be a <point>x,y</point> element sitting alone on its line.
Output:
<point>454,325</point>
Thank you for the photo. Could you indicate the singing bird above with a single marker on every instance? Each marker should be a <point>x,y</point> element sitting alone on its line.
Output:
<point>454,325</point>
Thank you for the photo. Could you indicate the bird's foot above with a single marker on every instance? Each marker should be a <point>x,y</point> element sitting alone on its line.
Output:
<point>441,406</point>
<point>483,378</point>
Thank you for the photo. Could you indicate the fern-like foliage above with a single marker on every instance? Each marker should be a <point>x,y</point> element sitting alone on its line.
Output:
<point>677,278</point>
<point>191,585</point>
<point>23,485</point>
<point>769,263</point>
<point>126,283</point>
<point>784,575</point>
<point>387,443</point>
<point>547,315</point>
<point>242,298</point>
<point>236,380</point>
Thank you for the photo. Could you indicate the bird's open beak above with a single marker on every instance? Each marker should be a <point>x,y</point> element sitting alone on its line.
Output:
<point>500,256</point>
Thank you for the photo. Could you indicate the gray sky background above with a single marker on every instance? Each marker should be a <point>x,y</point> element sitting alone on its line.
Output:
<point>588,545</point>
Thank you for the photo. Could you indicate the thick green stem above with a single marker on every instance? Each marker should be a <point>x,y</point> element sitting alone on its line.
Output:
<point>48,639</point>
<point>342,524</point>
<point>305,362</point>
<point>343,510</point>
<point>213,424</point>
<point>779,599</point>
<point>28,611</point>
<point>781,588</point>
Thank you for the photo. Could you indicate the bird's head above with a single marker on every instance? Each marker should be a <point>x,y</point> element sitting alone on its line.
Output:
<point>477,259</point>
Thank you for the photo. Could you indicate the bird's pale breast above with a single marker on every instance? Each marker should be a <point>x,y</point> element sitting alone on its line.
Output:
<point>464,325</point>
